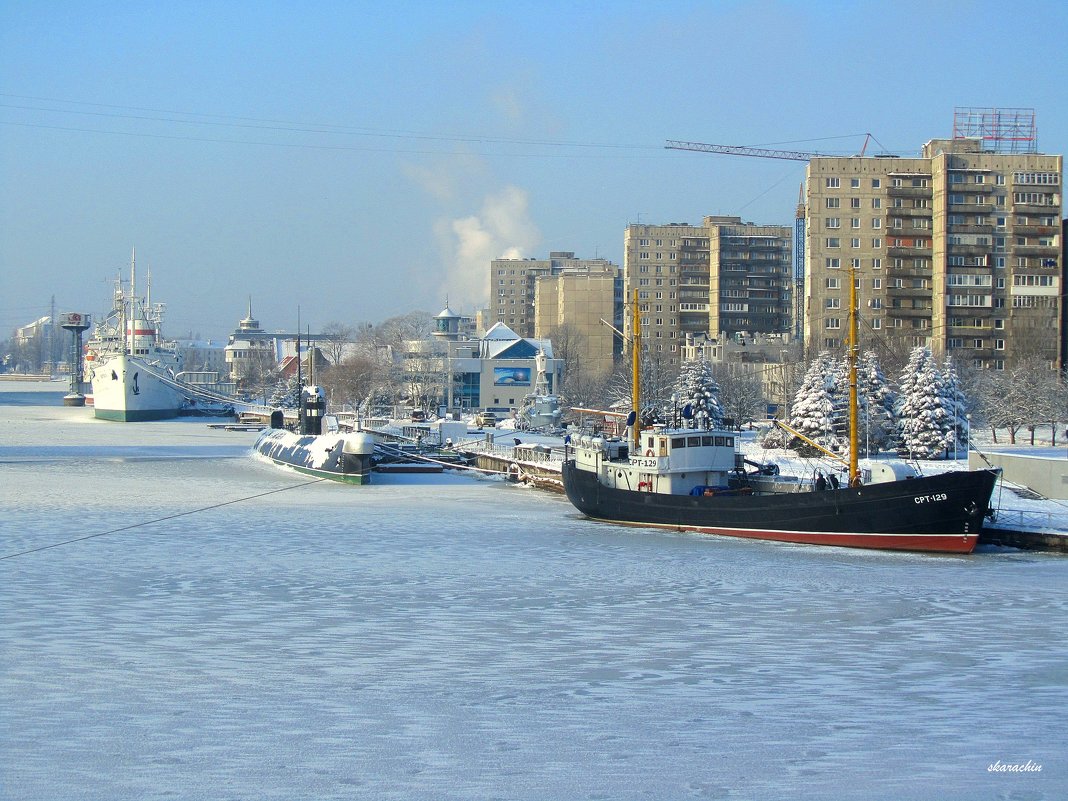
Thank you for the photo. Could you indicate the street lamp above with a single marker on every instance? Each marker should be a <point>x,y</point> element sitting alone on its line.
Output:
<point>967,433</point>
<point>675,409</point>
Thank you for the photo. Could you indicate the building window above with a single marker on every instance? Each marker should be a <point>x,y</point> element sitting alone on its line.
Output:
<point>854,183</point>
<point>833,323</point>
<point>854,202</point>
<point>854,242</point>
<point>833,222</point>
<point>875,183</point>
<point>832,242</point>
<point>833,303</point>
<point>832,202</point>
<point>834,283</point>
<point>876,203</point>
<point>832,264</point>
<point>833,183</point>
<point>876,243</point>
<point>855,222</point>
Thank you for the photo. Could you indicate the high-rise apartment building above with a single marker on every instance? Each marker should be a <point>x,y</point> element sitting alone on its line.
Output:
<point>571,309</point>
<point>512,284</point>
<point>721,278</point>
<point>560,298</point>
<point>958,249</point>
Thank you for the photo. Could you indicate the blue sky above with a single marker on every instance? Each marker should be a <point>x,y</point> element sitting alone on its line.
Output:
<point>364,160</point>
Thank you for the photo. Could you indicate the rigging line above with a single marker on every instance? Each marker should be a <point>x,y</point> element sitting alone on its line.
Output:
<point>160,519</point>
<point>328,147</point>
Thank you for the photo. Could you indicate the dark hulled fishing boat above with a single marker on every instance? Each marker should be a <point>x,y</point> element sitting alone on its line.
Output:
<point>696,480</point>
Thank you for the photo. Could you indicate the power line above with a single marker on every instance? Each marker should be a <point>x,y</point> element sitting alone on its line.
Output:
<point>302,145</point>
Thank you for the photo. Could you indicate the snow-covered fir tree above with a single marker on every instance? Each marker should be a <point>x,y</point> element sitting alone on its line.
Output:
<point>284,395</point>
<point>956,405</point>
<point>924,420</point>
<point>697,388</point>
<point>816,405</point>
<point>876,401</point>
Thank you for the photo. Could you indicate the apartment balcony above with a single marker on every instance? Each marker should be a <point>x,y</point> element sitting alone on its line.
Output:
<point>1043,251</point>
<point>903,252</point>
<point>909,314</point>
<point>972,229</point>
<point>908,191</point>
<point>1036,230</point>
<point>968,250</point>
<point>1035,208</point>
<point>907,211</point>
<point>908,292</point>
<point>971,189</point>
<point>971,208</point>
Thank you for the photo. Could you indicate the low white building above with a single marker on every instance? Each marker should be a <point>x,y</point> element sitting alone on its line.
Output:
<point>494,372</point>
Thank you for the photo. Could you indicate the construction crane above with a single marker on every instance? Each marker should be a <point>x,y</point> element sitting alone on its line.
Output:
<point>758,152</point>
<point>738,150</point>
<point>799,221</point>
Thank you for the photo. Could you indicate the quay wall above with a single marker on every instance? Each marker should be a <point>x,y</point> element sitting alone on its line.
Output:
<point>1047,476</point>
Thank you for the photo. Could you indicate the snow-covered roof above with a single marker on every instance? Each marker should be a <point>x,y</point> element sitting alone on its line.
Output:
<point>517,348</point>
<point>501,331</point>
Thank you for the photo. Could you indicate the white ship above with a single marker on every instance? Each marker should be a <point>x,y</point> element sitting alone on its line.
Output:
<point>131,367</point>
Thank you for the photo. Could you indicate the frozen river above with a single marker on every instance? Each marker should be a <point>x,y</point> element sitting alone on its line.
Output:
<point>452,638</point>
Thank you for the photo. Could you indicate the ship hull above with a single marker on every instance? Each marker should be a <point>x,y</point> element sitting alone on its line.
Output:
<point>126,389</point>
<point>320,456</point>
<point>942,513</point>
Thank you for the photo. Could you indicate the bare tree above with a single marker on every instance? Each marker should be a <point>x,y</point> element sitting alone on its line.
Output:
<point>568,345</point>
<point>414,325</point>
<point>259,376</point>
<point>338,338</point>
<point>741,394</point>
<point>585,390</point>
<point>656,382</point>
<point>349,382</point>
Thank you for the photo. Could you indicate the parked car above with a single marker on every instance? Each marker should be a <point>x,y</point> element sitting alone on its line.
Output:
<point>486,420</point>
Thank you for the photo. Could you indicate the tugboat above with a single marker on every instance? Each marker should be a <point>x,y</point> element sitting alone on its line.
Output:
<point>688,479</point>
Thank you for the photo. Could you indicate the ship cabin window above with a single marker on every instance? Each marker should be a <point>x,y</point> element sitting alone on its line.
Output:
<point>725,442</point>
<point>693,442</point>
<point>678,442</point>
<point>652,443</point>
<point>706,440</point>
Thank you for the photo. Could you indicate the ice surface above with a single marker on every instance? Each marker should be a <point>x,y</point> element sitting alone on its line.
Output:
<point>453,638</point>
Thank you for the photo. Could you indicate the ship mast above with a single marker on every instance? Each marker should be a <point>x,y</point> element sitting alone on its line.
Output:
<point>635,389</point>
<point>851,359</point>
<point>131,321</point>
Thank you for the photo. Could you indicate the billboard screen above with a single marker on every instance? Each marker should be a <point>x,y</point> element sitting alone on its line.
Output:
<point>511,376</point>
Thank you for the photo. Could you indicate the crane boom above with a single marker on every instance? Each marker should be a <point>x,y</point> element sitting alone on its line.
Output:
<point>739,150</point>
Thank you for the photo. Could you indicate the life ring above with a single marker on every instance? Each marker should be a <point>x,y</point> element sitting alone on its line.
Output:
<point>649,452</point>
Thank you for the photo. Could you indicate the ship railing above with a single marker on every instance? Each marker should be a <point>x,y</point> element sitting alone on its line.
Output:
<point>1032,520</point>
<point>525,452</point>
